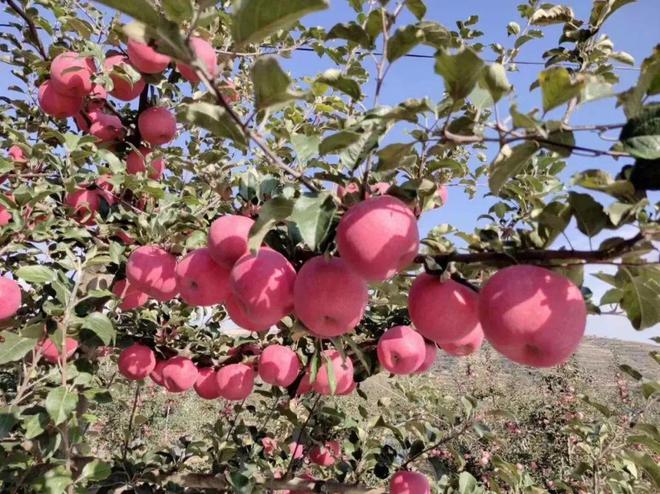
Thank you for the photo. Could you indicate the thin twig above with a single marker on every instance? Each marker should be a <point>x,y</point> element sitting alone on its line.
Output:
<point>300,433</point>
<point>31,26</point>
<point>129,429</point>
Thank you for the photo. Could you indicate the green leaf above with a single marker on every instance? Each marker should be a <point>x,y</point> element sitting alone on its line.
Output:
<point>101,326</point>
<point>335,79</point>
<point>273,211</point>
<point>602,181</point>
<point>215,119</point>
<point>140,10</point>
<point>467,484</point>
<point>590,215</point>
<point>645,462</point>
<point>178,10</point>
<point>641,134</point>
<point>95,471</point>
<point>271,84</point>
<point>556,14</point>
<point>417,8</point>
<point>631,372</point>
<point>14,347</point>
<point>495,81</point>
<point>402,41</point>
<point>605,8</point>
<point>461,71</point>
<point>395,156</point>
<point>561,142</point>
<point>313,215</point>
<point>36,425</point>
<point>337,142</point>
<point>558,87</point>
<point>330,368</point>
<point>8,420</point>
<point>641,293</point>
<point>254,20</point>
<point>36,274</point>
<point>350,32</point>
<point>306,147</point>
<point>508,163</point>
<point>60,403</point>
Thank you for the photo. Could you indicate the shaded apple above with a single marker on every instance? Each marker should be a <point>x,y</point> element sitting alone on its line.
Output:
<point>235,381</point>
<point>84,203</point>
<point>206,385</point>
<point>325,455</point>
<point>467,345</point>
<point>131,297</point>
<point>342,369</point>
<point>205,53</point>
<point>50,352</point>
<point>279,365</point>
<point>401,350</point>
<point>157,125</point>
<point>237,313</point>
<point>107,128</point>
<point>122,88</point>
<point>228,238</point>
<point>429,357</point>
<point>179,374</point>
<point>71,74</point>
<point>58,105</point>
<point>156,375</point>
<point>152,270</point>
<point>136,362</point>
<point>145,58</point>
<point>201,281</point>
<point>138,160</point>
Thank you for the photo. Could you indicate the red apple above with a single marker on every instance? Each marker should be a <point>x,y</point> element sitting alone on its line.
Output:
<point>343,372</point>
<point>152,270</point>
<point>429,357</point>
<point>442,194</point>
<point>532,315</point>
<point>329,298</point>
<point>325,455</point>
<point>179,374</point>
<point>50,352</point>
<point>409,483</point>
<point>5,215</point>
<point>279,365</point>
<point>85,204</point>
<point>16,154</point>
<point>401,350</point>
<point>136,362</point>
<point>71,74</point>
<point>296,449</point>
<point>201,281</point>
<point>131,297</point>
<point>206,385</point>
<point>107,128</point>
<point>58,105</point>
<point>466,345</point>
<point>146,59</point>
<point>136,162</point>
<point>378,238</point>
<point>157,125</point>
<point>156,375</point>
<point>203,51</point>
<point>262,284</point>
<point>442,311</point>
<point>228,239</point>
<point>122,89</point>
<point>237,313</point>
<point>235,381</point>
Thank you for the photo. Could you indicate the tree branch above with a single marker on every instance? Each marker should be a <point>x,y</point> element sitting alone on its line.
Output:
<point>31,26</point>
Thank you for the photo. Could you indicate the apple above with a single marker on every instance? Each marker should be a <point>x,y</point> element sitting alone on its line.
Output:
<point>378,237</point>
<point>58,105</point>
<point>179,374</point>
<point>107,128</point>
<point>16,154</point>
<point>329,298</point>
<point>98,94</point>
<point>201,281</point>
<point>466,345</point>
<point>122,89</point>
<point>351,188</point>
<point>5,215</point>
<point>401,350</point>
<point>441,193</point>
<point>156,375</point>
<point>136,362</point>
<point>50,352</point>
<point>237,313</point>
<point>296,449</point>
<point>532,315</point>
<point>228,239</point>
<point>157,125</point>
<point>409,483</point>
<point>262,284</point>
<point>343,372</point>
<point>429,357</point>
<point>131,297</point>
<point>71,74</point>
<point>146,59</point>
<point>206,385</point>
<point>349,390</point>
<point>442,311</point>
<point>152,270</point>
<point>136,163</point>
<point>279,365</point>
<point>204,52</point>
<point>235,381</point>
<point>325,455</point>
<point>85,203</point>
<point>305,384</point>
<point>269,445</point>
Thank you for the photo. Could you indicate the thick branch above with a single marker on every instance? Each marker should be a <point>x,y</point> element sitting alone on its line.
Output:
<point>514,257</point>
<point>31,26</point>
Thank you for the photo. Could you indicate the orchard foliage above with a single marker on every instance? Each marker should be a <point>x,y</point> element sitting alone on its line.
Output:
<point>164,175</point>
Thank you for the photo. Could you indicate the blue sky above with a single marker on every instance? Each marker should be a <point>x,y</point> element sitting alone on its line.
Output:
<point>633,29</point>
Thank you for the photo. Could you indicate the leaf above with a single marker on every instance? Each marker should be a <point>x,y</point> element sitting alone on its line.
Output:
<point>8,420</point>
<point>402,41</point>
<point>313,215</point>
<point>273,211</point>
<point>417,8</point>
<point>561,142</point>
<point>101,326</point>
<point>590,215</point>
<point>337,142</point>
<point>14,347</point>
<point>95,471</point>
<point>335,79</point>
<point>641,293</point>
<point>556,14</point>
<point>557,87</point>
<point>631,372</point>
<point>648,84</point>
<point>645,175</point>
<point>648,464</point>
<point>394,156</point>
<point>60,403</point>
<point>495,81</point>
<point>602,9</point>
<point>350,32</point>
<point>330,369</point>
<point>461,71</point>
<point>305,146</point>
<point>36,274</point>
<point>467,484</point>
<point>254,20</point>
<point>140,10</point>
<point>641,134</point>
<point>271,84</point>
<point>215,119</point>
<point>508,163</point>
<point>178,10</point>
<point>602,181</point>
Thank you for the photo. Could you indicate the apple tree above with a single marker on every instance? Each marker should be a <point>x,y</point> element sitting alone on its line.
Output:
<point>180,214</point>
